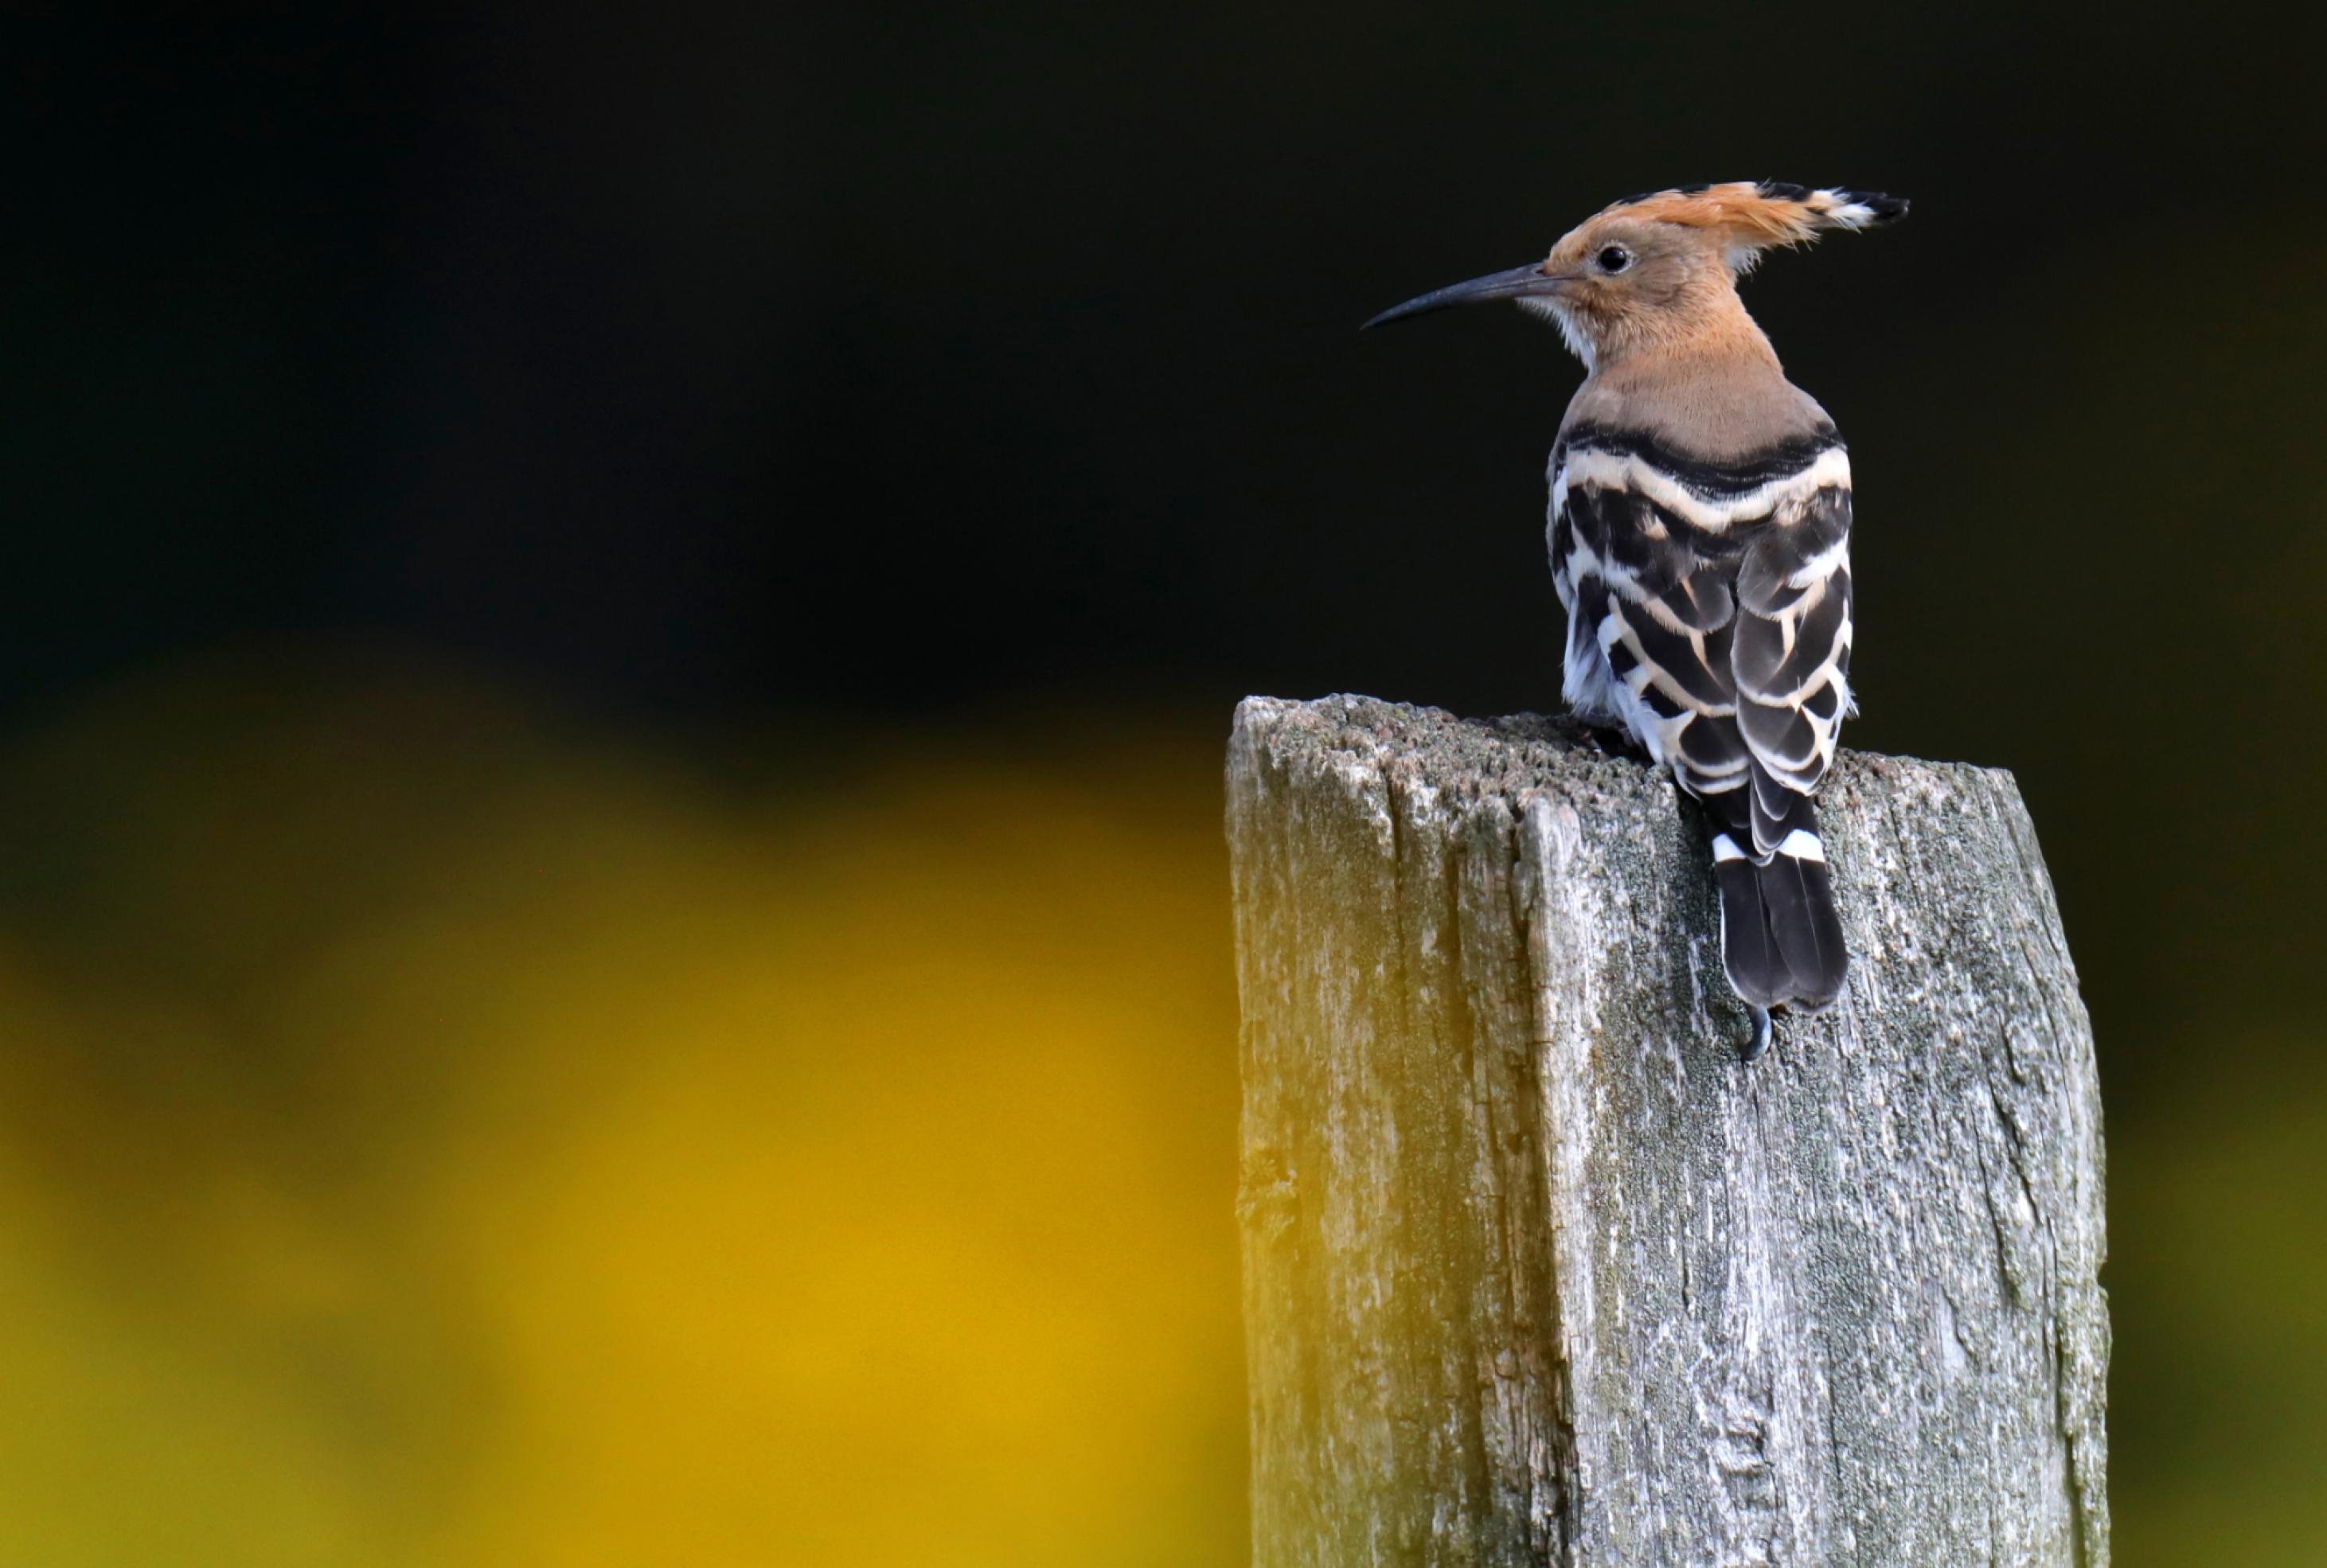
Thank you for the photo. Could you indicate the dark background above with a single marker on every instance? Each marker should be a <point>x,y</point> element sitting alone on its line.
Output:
<point>755,390</point>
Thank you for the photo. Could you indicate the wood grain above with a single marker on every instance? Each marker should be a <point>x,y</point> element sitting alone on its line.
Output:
<point>1537,1272</point>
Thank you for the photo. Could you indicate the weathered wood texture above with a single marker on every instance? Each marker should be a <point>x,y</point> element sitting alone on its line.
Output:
<point>1537,1272</point>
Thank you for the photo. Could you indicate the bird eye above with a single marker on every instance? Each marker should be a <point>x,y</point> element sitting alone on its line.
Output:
<point>1615,259</point>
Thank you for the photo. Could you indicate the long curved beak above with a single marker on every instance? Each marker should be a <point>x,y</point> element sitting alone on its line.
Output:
<point>1527,281</point>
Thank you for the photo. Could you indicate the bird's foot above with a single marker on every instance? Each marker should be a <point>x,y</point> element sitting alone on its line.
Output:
<point>1615,743</point>
<point>1759,1041</point>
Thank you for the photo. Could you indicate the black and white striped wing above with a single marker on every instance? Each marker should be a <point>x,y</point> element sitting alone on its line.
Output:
<point>1790,656</point>
<point>1709,615</point>
<point>1708,607</point>
<point>1651,618</point>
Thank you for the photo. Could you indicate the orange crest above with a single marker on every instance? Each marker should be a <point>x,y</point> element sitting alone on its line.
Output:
<point>1750,217</point>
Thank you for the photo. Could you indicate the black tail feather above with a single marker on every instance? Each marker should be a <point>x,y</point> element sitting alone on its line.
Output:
<point>1799,897</point>
<point>1781,940</point>
<point>1749,949</point>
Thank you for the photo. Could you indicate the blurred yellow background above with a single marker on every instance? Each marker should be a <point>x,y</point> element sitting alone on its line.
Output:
<point>433,1138</point>
<point>437,1132</point>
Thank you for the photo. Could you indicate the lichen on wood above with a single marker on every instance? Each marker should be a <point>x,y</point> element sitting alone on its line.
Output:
<point>1538,1271</point>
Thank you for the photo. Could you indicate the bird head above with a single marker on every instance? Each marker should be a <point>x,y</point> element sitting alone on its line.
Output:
<point>1661,268</point>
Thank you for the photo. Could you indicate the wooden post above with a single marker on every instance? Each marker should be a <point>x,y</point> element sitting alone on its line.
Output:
<point>1536,1272</point>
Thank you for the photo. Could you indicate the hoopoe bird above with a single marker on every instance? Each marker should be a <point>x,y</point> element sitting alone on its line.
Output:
<point>1700,543</point>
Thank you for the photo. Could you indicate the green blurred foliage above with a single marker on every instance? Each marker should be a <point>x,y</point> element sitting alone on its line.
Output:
<point>2218,1273</point>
